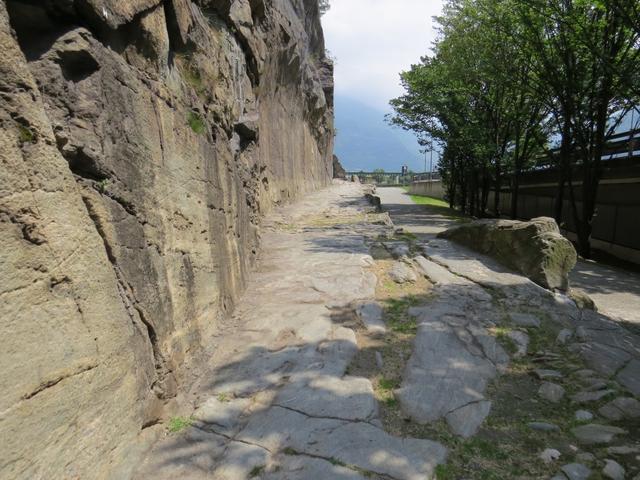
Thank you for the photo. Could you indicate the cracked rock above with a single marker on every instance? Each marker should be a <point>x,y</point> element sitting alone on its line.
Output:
<point>465,421</point>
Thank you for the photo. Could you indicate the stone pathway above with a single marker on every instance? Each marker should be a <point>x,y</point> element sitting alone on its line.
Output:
<point>615,292</point>
<point>455,357</point>
<point>277,403</point>
<point>366,350</point>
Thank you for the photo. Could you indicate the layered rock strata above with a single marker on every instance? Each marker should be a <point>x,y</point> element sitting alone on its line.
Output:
<point>140,143</point>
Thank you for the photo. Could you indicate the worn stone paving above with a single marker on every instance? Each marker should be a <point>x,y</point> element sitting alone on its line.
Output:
<point>276,403</point>
<point>454,359</point>
<point>278,399</point>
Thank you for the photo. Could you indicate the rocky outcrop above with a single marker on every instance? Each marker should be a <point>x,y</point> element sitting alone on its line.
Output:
<point>338,169</point>
<point>534,248</point>
<point>140,143</point>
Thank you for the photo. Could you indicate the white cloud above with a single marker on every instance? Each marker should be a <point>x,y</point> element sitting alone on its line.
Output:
<point>374,40</point>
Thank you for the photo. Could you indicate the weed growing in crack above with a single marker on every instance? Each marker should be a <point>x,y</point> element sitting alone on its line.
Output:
<point>177,424</point>
<point>102,185</point>
<point>196,123</point>
<point>223,397</point>
<point>25,135</point>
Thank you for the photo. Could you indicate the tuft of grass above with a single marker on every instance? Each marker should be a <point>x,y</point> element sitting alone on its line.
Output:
<point>196,123</point>
<point>424,200</point>
<point>25,135</point>
<point>177,424</point>
<point>502,335</point>
<point>102,185</point>
<point>445,472</point>
<point>223,398</point>
<point>387,384</point>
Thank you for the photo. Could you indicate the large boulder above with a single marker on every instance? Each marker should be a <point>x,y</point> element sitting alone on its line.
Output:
<point>534,248</point>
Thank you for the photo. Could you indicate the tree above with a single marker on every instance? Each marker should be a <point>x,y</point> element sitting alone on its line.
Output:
<point>507,77</point>
<point>324,6</point>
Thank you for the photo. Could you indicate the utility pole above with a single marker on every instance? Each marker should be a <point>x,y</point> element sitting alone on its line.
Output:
<point>430,164</point>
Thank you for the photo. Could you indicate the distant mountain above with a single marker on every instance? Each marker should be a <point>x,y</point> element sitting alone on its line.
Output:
<point>366,142</point>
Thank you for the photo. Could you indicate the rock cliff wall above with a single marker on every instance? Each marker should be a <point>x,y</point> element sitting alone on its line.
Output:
<point>140,142</point>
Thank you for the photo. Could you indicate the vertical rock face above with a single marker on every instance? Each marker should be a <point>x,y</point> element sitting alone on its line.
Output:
<point>140,142</point>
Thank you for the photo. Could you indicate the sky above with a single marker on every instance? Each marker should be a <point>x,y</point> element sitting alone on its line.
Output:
<point>372,41</point>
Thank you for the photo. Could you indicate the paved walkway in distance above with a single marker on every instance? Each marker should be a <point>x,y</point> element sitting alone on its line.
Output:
<point>616,292</point>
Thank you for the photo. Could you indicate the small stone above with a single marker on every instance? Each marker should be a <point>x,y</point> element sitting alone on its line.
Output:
<point>564,336</point>
<point>521,340</point>
<point>576,471</point>
<point>623,450</point>
<point>586,397</point>
<point>613,470</point>
<point>402,273</point>
<point>583,415</point>
<point>550,455</point>
<point>585,373</point>
<point>594,433</point>
<point>585,457</point>
<point>551,392</point>
<point>543,374</point>
<point>558,476</point>
<point>379,361</point>
<point>525,320</point>
<point>595,384</point>
<point>543,426</point>
<point>371,315</point>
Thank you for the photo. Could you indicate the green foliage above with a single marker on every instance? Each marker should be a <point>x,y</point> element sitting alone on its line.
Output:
<point>177,424</point>
<point>196,123</point>
<point>506,79</point>
<point>25,135</point>
<point>102,185</point>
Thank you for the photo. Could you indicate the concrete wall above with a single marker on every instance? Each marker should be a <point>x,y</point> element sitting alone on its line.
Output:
<point>433,188</point>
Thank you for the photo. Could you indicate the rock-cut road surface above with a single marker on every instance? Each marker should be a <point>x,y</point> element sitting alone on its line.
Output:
<point>284,396</point>
<point>276,402</point>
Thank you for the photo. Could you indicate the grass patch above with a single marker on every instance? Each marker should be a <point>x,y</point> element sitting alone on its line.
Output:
<point>25,134</point>
<point>223,397</point>
<point>102,185</point>
<point>177,424</point>
<point>438,206</point>
<point>502,335</point>
<point>196,123</point>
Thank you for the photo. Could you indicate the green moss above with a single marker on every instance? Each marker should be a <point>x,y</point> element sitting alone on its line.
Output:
<point>25,135</point>
<point>387,384</point>
<point>177,424</point>
<point>196,123</point>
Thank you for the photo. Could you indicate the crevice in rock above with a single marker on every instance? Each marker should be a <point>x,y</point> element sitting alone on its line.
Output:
<point>51,383</point>
<point>324,417</point>
<point>293,452</point>
<point>163,373</point>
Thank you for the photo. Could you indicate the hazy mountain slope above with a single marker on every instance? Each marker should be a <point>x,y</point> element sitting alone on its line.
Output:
<point>366,142</point>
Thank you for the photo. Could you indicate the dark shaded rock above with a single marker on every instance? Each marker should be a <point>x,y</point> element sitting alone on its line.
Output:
<point>338,169</point>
